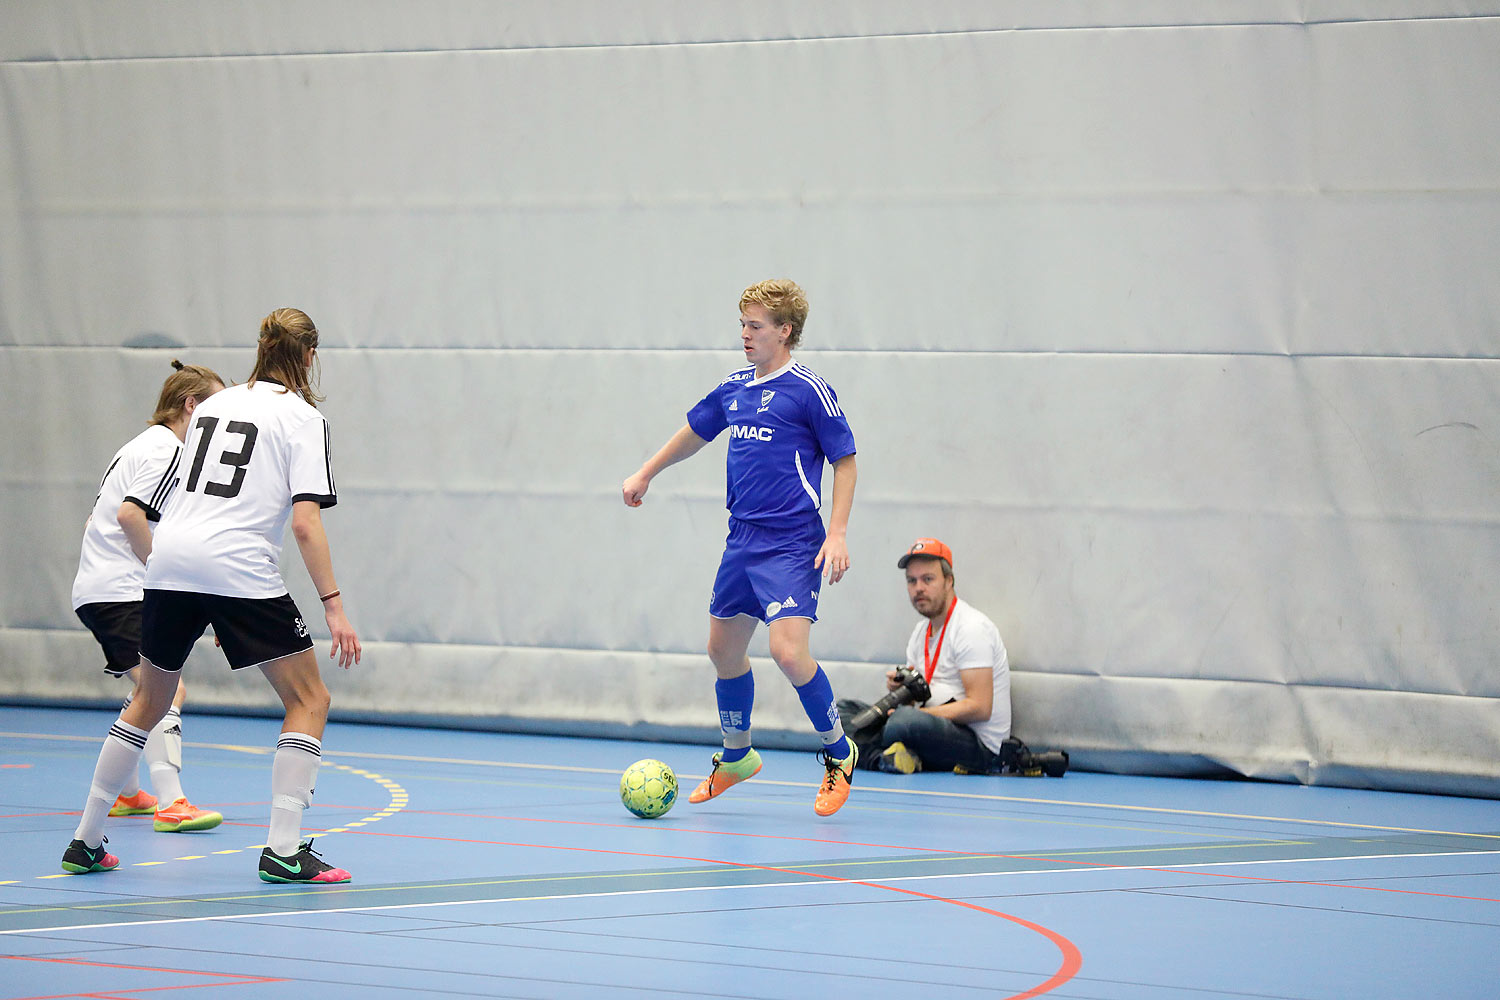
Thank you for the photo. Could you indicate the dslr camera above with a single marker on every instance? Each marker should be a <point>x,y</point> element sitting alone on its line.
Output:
<point>1017,758</point>
<point>913,689</point>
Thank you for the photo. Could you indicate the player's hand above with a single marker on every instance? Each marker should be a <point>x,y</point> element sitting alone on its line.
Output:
<point>634,489</point>
<point>891,683</point>
<point>346,647</point>
<point>833,558</point>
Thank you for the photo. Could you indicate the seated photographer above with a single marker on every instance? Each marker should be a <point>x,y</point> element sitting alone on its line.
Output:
<point>956,652</point>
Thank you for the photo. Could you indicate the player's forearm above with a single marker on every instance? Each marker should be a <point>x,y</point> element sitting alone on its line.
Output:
<point>683,445</point>
<point>312,542</point>
<point>844,476</point>
<point>137,529</point>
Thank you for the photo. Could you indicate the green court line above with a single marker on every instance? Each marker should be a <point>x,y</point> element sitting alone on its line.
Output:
<point>23,919</point>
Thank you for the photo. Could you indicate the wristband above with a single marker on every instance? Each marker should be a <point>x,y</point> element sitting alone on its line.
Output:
<point>328,597</point>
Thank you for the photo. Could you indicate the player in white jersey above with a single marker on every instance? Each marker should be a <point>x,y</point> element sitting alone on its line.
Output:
<point>784,422</point>
<point>107,591</point>
<point>256,455</point>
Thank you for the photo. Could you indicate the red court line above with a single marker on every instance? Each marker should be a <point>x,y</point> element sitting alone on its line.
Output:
<point>239,979</point>
<point>1072,959</point>
<point>15,765</point>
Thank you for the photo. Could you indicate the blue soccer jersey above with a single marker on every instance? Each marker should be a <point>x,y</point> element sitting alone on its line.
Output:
<point>781,430</point>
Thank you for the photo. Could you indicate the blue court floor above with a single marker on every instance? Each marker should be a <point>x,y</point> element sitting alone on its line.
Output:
<point>504,866</point>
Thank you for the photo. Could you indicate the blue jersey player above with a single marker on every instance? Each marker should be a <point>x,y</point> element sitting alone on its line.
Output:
<point>783,423</point>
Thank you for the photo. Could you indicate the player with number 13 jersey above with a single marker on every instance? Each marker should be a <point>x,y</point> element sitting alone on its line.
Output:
<point>243,458</point>
<point>251,463</point>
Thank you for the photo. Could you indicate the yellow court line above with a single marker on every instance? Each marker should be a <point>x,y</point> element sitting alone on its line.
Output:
<point>970,796</point>
<point>398,800</point>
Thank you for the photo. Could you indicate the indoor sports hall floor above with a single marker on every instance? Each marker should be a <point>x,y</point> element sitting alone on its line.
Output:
<point>504,866</point>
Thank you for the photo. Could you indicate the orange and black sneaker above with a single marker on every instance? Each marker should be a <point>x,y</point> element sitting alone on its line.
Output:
<point>183,817</point>
<point>80,859</point>
<point>725,776</point>
<point>839,774</point>
<point>142,803</point>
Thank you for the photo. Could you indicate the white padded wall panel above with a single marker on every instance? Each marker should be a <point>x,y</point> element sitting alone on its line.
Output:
<point>97,29</point>
<point>957,161</point>
<point>1181,334</point>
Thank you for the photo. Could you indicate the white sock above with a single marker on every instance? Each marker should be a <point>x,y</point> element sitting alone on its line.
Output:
<point>117,760</point>
<point>164,754</point>
<point>294,773</point>
<point>131,786</point>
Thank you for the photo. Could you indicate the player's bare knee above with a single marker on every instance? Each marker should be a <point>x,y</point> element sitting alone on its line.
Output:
<point>728,658</point>
<point>317,700</point>
<point>793,659</point>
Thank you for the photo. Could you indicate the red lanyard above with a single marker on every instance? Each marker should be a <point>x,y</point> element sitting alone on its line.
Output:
<point>930,660</point>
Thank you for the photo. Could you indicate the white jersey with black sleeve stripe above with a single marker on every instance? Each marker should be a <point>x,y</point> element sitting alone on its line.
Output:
<point>252,451</point>
<point>143,472</point>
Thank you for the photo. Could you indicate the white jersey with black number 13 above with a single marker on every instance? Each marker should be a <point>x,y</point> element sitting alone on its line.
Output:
<point>251,452</point>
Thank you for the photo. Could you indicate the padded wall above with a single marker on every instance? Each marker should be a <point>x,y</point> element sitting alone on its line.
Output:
<point>1181,333</point>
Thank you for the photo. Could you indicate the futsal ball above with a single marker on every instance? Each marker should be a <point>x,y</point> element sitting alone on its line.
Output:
<point>648,788</point>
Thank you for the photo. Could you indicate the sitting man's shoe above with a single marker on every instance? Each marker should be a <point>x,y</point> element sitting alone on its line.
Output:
<point>725,776</point>
<point>142,803</point>
<point>838,776</point>
<point>897,759</point>
<point>304,866</point>
<point>182,817</point>
<point>80,859</point>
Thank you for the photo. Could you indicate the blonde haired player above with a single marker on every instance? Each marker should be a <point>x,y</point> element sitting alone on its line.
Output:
<point>107,590</point>
<point>783,422</point>
<point>257,455</point>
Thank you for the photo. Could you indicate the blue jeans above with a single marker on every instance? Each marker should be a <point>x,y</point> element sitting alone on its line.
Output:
<point>942,745</point>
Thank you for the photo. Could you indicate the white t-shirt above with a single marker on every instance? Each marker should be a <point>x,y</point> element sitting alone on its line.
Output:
<point>252,451</point>
<point>971,642</point>
<point>143,472</point>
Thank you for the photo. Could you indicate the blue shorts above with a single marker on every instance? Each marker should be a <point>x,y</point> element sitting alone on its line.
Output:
<point>767,571</point>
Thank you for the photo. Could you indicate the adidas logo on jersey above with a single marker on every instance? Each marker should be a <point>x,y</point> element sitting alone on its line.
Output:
<point>734,404</point>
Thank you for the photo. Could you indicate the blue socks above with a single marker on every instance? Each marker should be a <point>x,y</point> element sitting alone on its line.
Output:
<point>735,696</point>
<point>818,703</point>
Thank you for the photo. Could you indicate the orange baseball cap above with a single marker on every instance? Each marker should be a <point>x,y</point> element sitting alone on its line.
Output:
<point>926,547</point>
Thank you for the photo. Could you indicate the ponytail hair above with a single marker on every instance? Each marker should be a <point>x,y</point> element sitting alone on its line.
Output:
<point>280,356</point>
<point>185,381</point>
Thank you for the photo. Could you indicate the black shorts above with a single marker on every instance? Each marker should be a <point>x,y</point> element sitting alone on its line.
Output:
<point>251,630</point>
<point>117,626</point>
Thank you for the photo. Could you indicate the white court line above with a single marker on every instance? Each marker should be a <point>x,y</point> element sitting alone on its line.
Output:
<point>864,789</point>
<point>716,888</point>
